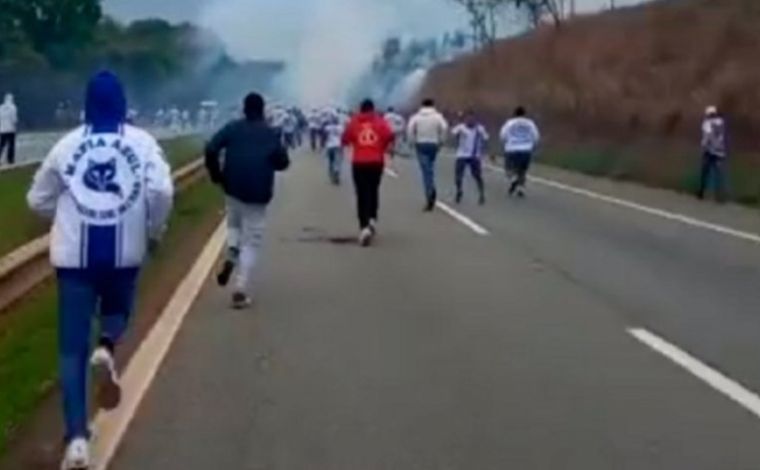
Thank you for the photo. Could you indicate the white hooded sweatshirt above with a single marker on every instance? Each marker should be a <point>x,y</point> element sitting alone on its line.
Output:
<point>8,116</point>
<point>428,126</point>
<point>520,134</point>
<point>108,194</point>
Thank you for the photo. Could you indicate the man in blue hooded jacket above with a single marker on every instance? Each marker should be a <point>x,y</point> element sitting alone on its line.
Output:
<point>108,190</point>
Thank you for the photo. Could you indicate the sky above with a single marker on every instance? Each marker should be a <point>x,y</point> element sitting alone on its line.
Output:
<point>179,10</point>
<point>327,44</point>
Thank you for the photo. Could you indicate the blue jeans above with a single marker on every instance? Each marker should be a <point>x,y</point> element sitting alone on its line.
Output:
<point>81,293</point>
<point>476,169</point>
<point>334,163</point>
<point>427,154</point>
<point>713,170</point>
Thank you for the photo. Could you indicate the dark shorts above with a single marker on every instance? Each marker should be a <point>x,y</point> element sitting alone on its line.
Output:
<point>518,162</point>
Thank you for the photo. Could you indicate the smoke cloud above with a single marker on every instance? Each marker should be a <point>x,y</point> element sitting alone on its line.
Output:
<point>327,44</point>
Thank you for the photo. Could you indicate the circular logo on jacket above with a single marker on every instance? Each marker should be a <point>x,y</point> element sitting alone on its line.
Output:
<point>368,136</point>
<point>103,177</point>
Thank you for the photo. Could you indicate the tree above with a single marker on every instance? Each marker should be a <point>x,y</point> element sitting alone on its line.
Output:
<point>484,15</point>
<point>538,10</point>
<point>55,28</point>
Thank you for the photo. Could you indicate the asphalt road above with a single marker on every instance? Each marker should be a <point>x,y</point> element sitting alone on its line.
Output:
<point>439,348</point>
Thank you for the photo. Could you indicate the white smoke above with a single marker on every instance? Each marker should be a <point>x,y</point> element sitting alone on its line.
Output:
<point>408,88</point>
<point>327,44</point>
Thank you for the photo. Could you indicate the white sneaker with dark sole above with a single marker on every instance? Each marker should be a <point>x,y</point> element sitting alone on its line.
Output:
<point>106,379</point>
<point>365,237</point>
<point>77,455</point>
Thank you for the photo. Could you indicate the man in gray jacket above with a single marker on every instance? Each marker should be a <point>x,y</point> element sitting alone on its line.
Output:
<point>253,152</point>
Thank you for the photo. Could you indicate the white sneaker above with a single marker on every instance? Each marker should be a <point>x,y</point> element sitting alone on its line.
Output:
<point>106,379</point>
<point>373,227</point>
<point>365,237</point>
<point>77,456</point>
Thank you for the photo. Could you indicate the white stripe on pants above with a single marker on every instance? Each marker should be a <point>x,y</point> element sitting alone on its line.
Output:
<point>245,235</point>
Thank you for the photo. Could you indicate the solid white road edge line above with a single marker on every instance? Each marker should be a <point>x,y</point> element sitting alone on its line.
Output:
<point>109,428</point>
<point>715,379</point>
<point>463,219</point>
<point>673,216</point>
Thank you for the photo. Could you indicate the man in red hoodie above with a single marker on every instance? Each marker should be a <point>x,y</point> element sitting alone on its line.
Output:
<point>369,136</point>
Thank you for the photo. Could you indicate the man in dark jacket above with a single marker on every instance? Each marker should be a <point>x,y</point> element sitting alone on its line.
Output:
<point>253,152</point>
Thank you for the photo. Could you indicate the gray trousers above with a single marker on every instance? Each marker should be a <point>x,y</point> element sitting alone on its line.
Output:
<point>245,235</point>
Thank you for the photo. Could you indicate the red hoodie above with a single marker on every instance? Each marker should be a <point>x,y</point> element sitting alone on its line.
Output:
<point>370,137</point>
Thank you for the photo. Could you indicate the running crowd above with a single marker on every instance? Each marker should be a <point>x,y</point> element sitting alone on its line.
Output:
<point>108,190</point>
<point>373,138</point>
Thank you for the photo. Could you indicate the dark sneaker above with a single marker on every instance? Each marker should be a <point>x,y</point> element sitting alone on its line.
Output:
<point>223,278</point>
<point>106,379</point>
<point>513,188</point>
<point>458,198</point>
<point>430,205</point>
<point>482,200</point>
<point>241,301</point>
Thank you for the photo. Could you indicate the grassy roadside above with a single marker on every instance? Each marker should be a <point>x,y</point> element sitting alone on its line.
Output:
<point>667,168</point>
<point>28,339</point>
<point>19,225</point>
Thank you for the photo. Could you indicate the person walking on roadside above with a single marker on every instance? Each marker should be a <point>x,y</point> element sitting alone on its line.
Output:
<point>471,137</point>
<point>398,126</point>
<point>427,131</point>
<point>714,154</point>
<point>520,136</point>
<point>369,136</point>
<point>108,190</point>
<point>334,149</point>
<point>8,129</point>
<point>253,152</point>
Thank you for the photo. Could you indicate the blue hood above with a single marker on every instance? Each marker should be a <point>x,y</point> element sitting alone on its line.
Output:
<point>105,106</point>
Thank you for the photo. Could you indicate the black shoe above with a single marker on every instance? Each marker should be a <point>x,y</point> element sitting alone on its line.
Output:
<point>513,188</point>
<point>458,198</point>
<point>241,301</point>
<point>223,278</point>
<point>482,200</point>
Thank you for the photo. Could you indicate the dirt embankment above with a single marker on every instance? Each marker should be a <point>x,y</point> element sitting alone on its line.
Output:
<point>634,80</point>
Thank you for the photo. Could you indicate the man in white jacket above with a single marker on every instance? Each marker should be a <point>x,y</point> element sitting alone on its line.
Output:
<point>109,191</point>
<point>520,136</point>
<point>427,131</point>
<point>8,129</point>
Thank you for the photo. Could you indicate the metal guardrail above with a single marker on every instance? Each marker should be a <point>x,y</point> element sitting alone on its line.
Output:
<point>28,266</point>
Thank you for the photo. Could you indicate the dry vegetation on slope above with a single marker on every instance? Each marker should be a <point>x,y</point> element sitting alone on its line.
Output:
<point>621,93</point>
